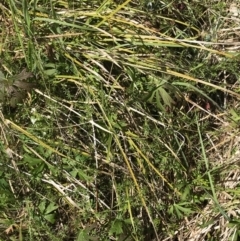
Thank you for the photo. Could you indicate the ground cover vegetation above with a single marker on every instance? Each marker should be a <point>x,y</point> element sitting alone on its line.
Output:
<point>119,120</point>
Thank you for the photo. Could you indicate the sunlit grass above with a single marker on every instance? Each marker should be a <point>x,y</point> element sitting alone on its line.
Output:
<point>119,137</point>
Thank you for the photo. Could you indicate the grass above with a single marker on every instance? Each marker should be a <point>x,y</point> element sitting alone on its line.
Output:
<point>119,120</point>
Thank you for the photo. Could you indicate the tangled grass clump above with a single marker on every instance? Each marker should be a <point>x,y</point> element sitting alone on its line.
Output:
<point>124,135</point>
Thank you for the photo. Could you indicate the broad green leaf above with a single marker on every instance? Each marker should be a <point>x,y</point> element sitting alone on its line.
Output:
<point>42,206</point>
<point>50,65</point>
<point>74,173</point>
<point>50,72</point>
<point>32,161</point>
<point>234,114</point>
<point>84,176</point>
<point>50,218</point>
<point>165,96</point>
<point>83,236</point>
<point>51,207</point>
<point>116,227</point>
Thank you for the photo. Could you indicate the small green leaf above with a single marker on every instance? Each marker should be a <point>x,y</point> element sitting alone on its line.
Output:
<point>50,72</point>
<point>116,227</point>
<point>22,76</point>
<point>50,208</point>
<point>2,77</point>
<point>84,176</point>
<point>158,101</point>
<point>42,206</point>
<point>31,160</point>
<point>83,235</point>
<point>49,65</point>
<point>235,116</point>
<point>184,209</point>
<point>50,218</point>
<point>165,97</point>
<point>74,173</point>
